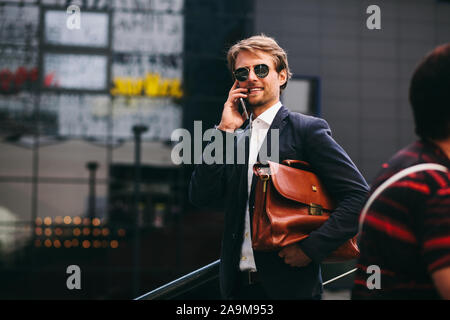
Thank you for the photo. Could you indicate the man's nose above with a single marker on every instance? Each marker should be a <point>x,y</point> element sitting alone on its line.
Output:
<point>252,76</point>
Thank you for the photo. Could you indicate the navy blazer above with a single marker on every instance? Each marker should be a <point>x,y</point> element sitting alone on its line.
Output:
<point>304,138</point>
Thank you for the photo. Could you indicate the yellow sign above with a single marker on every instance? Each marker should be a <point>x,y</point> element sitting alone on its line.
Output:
<point>152,85</point>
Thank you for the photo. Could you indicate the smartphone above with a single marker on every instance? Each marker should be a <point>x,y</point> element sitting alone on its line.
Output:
<point>243,106</point>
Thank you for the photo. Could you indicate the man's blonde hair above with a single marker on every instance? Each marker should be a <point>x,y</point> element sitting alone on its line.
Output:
<point>265,44</point>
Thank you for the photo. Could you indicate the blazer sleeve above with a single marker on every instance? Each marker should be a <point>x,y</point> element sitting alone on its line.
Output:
<point>345,184</point>
<point>207,186</point>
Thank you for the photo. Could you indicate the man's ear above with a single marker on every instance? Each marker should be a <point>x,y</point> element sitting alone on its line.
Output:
<point>282,77</point>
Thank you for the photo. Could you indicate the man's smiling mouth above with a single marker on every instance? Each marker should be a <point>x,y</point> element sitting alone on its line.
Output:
<point>255,89</point>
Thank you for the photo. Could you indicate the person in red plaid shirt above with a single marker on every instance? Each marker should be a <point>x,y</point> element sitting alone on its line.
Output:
<point>405,235</point>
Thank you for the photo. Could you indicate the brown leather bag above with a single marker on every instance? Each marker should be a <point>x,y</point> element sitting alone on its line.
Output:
<point>290,202</point>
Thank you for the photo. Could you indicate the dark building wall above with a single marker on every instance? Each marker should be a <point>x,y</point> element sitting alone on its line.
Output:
<point>211,27</point>
<point>364,73</point>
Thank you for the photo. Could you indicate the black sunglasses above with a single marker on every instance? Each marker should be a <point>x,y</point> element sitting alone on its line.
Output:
<point>261,71</point>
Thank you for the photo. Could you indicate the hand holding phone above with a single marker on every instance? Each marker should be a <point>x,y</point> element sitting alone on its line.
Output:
<point>232,117</point>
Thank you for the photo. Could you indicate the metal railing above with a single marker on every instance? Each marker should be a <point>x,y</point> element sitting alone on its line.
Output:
<point>197,278</point>
<point>184,284</point>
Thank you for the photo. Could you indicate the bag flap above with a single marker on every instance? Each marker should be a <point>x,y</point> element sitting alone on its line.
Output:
<point>299,185</point>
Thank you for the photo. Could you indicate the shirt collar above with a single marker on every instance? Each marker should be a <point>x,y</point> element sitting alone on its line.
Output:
<point>268,115</point>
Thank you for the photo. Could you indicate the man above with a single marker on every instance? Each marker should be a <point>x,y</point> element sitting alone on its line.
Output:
<point>261,71</point>
<point>406,231</point>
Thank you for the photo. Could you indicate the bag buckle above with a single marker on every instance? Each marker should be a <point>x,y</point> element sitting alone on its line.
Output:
<point>265,178</point>
<point>315,209</point>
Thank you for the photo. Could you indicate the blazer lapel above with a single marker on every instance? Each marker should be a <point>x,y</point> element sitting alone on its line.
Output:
<point>243,141</point>
<point>277,124</point>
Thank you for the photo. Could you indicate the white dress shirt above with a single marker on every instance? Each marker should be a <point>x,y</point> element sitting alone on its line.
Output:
<point>259,128</point>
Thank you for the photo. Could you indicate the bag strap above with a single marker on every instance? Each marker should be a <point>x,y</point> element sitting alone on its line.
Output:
<point>399,175</point>
<point>298,164</point>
